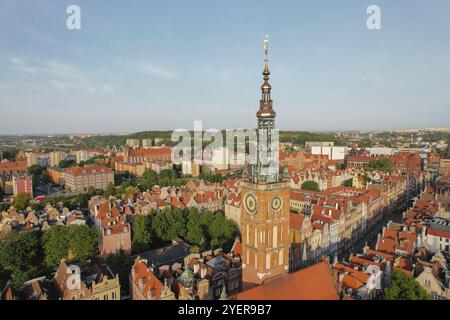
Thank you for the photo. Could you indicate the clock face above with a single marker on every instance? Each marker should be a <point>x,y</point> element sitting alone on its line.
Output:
<point>250,203</point>
<point>276,203</point>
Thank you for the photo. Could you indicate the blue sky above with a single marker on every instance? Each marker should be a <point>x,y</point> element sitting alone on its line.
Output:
<point>153,65</point>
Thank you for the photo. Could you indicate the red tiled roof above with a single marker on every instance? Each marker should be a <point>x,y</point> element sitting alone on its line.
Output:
<point>438,233</point>
<point>85,170</point>
<point>313,283</point>
<point>150,281</point>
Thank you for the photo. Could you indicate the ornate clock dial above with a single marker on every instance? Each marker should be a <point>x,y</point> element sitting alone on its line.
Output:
<point>250,203</point>
<point>276,203</point>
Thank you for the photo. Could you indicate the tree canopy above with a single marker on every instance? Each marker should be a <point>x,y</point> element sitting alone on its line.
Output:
<point>121,263</point>
<point>207,230</point>
<point>142,237</point>
<point>383,164</point>
<point>66,163</point>
<point>81,240</point>
<point>36,169</point>
<point>21,257</point>
<point>21,201</point>
<point>310,185</point>
<point>56,245</point>
<point>404,287</point>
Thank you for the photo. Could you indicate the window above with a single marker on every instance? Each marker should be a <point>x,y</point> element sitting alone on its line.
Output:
<point>427,282</point>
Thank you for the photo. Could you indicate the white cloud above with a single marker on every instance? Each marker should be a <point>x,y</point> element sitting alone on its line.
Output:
<point>152,70</point>
<point>61,76</point>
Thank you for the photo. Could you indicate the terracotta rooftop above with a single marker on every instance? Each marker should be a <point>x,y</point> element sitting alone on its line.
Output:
<point>313,283</point>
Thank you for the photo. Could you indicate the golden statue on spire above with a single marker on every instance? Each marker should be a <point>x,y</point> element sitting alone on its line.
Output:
<point>266,42</point>
<point>266,47</point>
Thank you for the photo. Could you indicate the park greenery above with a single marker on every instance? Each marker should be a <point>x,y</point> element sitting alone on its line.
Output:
<point>404,287</point>
<point>299,138</point>
<point>382,164</point>
<point>207,230</point>
<point>310,185</point>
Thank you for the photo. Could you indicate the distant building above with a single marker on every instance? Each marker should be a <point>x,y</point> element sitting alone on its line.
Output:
<point>190,168</point>
<point>220,159</point>
<point>380,151</point>
<point>79,179</point>
<point>22,184</point>
<point>153,153</point>
<point>333,153</point>
<point>358,161</point>
<point>133,143</point>
<point>81,155</point>
<point>56,175</point>
<point>310,144</point>
<point>56,157</point>
<point>146,143</point>
<point>13,167</point>
<point>444,163</point>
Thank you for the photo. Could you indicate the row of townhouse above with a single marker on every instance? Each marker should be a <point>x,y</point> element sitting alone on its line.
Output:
<point>418,247</point>
<point>332,221</point>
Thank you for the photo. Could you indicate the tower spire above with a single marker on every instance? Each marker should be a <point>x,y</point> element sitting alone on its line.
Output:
<point>266,72</point>
<point>265,104</point>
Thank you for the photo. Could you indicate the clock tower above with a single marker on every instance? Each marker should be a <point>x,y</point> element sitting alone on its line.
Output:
<point>265,205</point>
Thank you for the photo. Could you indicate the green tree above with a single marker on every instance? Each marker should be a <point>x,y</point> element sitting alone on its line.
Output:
<point>348,183</point>
<point>404,287</point>
<point>160,225</point>
<point>66,163</point>
<point>83,241</point>
<point>56,245</point>
<point>142,237</point>
<point>166,177</point>
<point>21,257</point>
<point>383,164</point>
<point>35,169</point>
<point>124,185</point>
<point>110,190</point>
<point>21,201</point>
<point>148,180</point>
<point>310,185</point>
<point>130,192</point>
<point>121,264</point>
<point>195,235</point>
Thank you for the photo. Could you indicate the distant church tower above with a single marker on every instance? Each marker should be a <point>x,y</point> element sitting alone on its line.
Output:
<point>265,205</point>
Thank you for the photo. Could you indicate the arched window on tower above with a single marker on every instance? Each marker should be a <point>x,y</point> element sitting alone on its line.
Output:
<point>274,237</point>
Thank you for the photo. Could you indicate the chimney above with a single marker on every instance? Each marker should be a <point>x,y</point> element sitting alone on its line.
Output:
<point>196,267</point>
<point>203,272</point>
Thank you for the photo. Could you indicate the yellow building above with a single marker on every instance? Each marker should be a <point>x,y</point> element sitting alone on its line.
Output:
<point>106,289</point>
<point>56,157</point>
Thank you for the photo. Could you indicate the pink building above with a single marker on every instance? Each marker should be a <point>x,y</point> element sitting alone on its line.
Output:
<point>22,184</point>
<point>115,231</point>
